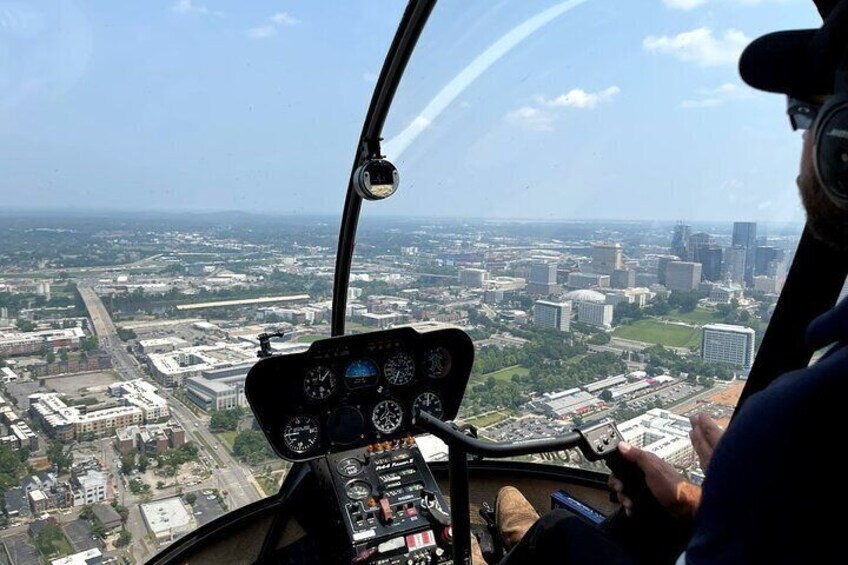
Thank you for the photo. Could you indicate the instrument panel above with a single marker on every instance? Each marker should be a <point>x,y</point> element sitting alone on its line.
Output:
<point>350,391</point>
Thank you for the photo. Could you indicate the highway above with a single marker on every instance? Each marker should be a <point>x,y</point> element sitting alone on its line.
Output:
<point>231,477</point>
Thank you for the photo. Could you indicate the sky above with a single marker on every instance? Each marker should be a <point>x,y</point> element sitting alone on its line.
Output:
<point>595,109</point>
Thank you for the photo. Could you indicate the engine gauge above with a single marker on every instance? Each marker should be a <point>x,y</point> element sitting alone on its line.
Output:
<point>399,369</point>
<point>387,416</point>
<point>437,362</point>
<point>358,490</point>
<point>428,402</point>
<point>319,383</point>
<point>301,434</point>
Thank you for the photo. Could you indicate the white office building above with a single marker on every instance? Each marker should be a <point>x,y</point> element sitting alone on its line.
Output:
<point>167,519</point>
<point>664,434</point>
<point>552,315</point>
<point>595,314</point>
<point>89,488</point>
<point>724,343</point>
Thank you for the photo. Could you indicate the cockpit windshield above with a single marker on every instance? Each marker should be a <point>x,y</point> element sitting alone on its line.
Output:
<point>591,191</point>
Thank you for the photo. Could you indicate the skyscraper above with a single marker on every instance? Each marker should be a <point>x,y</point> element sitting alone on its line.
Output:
<point>606,258</point>
<point>768,261</point>
<point>710,260</point>
<point>552,315</point>
<point>542,278</point>
<point>680,244</point>
<point>745,236</point>
<point>682,275</point>
<point>734,264</point>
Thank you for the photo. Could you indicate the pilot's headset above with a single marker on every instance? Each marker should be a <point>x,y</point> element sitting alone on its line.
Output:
<point>830,144</point>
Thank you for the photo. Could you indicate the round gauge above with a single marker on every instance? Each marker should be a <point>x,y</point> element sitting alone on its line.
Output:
<point>387,416</point>
<point>319,383</point>
<point>301,434</point>
<point>428,402</point>
<point>437,362</point>
<point>349,467</point>
<point>358,490</point>
<point>399,369</point>
<point>361,372</point>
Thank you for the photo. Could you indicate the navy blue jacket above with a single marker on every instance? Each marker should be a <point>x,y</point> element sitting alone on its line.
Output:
<point>773,492</point>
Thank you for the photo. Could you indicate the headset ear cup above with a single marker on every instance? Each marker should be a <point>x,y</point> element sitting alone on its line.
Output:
<point>830,149</point>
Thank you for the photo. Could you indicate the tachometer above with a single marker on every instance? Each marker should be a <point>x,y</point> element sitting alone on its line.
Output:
<point>399,369</point>
<point>301,434</point>
<point>437,362</point>
<point>319,383</point>
<point>387,416</point>
<point>358,490</point>
<point>428,402</point>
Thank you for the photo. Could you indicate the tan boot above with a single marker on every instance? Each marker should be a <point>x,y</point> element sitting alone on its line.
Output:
<point>476,552</point>
<point>514,515</point>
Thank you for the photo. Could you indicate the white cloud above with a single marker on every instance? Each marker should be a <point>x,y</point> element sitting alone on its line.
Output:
<point>541,116</point>
<point>531,118</point>
<point>284,19</point>
<point>278,20</point>
<point>700,46</point>
<point>579,98</point>
<point>370,77</point>
<point>711,97</point>
<point>189,7</point>
<point>684,4</point>
<point>261,32</point>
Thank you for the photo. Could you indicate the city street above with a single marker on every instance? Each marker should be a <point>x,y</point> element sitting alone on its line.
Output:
<point>231,478</point>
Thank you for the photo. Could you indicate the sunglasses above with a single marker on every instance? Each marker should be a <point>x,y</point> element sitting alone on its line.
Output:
<point>802,114</point>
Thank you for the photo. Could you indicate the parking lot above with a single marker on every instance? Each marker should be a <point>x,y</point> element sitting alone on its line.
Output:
<point>204,509</point>
<point>78,533</point>
<point>524,429</point>
<point>669,396</point>
<point>75,384</point>
<point>20,550</point>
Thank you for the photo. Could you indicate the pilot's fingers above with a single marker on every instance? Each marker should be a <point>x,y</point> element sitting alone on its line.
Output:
<point>708,427</point>
<point>615,483</point>
<point>627,504</point>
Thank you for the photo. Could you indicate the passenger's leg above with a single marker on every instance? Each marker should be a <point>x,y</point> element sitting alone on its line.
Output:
<point>561,537</point>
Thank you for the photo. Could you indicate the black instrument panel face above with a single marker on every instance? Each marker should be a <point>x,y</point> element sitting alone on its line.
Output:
<point>351,391</point>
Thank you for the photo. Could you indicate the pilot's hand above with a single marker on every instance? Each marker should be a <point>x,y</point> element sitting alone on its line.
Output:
<point>679,497</point>
<point>704,435</point>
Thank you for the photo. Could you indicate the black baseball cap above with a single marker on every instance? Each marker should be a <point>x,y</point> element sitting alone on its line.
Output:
<point>800,63</point>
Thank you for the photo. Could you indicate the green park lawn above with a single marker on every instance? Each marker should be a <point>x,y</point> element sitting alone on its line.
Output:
<point>501,375</point>
<point>654,331</point>
<point>228,438</point>
<point>310,338</point>
<point>487,420</point>
<point>698,316</point>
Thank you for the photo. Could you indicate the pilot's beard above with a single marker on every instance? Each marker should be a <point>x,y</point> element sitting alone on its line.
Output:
<point>825,220</point>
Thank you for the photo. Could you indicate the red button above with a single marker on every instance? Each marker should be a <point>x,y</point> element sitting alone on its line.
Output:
<point>386,510</point>
<point>412,511</point>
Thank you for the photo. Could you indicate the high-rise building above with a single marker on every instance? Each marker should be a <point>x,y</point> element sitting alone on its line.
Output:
<point>680,242</point>
<point>588,280</point>
<point>745,236</point>
<point>733,266</point>
<point>552,315</point>
<point>768,261</point>
<point>700,239</point>
<point>623,278</point>
<point>606,258</point>
<point>723,343</point>
<point>472,277</point>
<point>542,278</point>
<point>682,275</point>
<point>710,258</point>
<point>595,313</point>
<point>662,261</point>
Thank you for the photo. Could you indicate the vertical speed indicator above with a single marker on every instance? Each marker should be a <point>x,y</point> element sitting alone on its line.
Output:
<point>399,369</point>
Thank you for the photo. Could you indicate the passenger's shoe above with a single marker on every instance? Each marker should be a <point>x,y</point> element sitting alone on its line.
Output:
<point>514,515</point>
<point>476,552</point>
